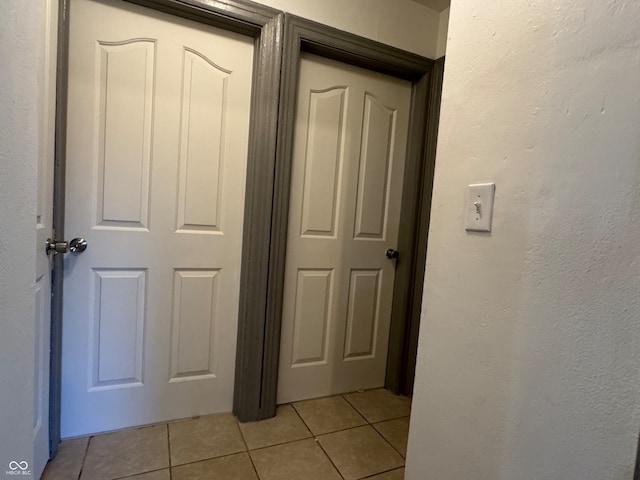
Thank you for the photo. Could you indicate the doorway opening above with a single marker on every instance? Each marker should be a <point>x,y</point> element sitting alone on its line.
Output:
<point>425,77</point>
<point>261,27</point>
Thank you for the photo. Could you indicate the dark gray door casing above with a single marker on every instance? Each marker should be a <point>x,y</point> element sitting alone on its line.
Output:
<point>402,380</point>
<point>259,346</point>
<point>265,25</point>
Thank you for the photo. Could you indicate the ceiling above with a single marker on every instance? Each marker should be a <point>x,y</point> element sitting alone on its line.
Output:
<point>437,5</point>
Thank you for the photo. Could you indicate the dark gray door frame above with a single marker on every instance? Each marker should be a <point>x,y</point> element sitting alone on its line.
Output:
<point>404,364</point>
<point>302,35</point>
<point>265,25</point>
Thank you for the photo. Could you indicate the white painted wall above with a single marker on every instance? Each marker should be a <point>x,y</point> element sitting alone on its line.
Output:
<point>401,23</point>
<point>443,30</point>
<point>21,55</point>
<point>529,355</point>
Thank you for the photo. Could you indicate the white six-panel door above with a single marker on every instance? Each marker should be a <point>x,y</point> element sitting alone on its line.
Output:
<point>158,119</point>
<point>346,188</point>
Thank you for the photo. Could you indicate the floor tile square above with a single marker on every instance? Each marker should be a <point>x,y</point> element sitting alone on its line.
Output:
<point>392,475</point>
<point>68,462</point>
<point>125,453</point>
<point>231,467</point>
<point>360,452</point>
<point>301,460</point>
<point>326,415</point>
<point>379,404</point>
<point>396,432</point>
<point>204,437</point>
<point>286,426</point>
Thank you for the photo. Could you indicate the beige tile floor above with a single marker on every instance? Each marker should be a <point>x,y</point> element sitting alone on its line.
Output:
<point>344,437</point>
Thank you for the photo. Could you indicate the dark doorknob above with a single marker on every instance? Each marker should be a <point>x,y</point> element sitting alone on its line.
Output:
<point>392,254</point>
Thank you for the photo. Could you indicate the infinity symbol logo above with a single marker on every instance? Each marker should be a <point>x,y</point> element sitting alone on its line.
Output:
<point>23,465</point>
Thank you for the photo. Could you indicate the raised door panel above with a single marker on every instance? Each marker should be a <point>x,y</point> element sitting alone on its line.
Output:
<point>312,316</point>
<point>126,92</point>
<point>118,330</point>
<point>374,177</point>
<point>202,142</point>
<point>323,161</point>
<point>41,358</point>
<point>362,313</point>
<point>195,305</point>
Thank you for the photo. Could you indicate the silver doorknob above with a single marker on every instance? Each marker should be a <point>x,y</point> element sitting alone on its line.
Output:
<point>392,254</point>
<point>77,245</point>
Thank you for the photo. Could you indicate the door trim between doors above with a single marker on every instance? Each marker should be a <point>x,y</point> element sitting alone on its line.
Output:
<point>265,25</point>
<point>57,277</point>
<point>401,373</point>
<point>308,36</point>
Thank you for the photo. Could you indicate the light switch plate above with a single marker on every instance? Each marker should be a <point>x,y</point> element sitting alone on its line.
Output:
<point>480,207</point>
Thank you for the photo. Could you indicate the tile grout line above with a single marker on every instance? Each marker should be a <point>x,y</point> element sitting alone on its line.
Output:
<point>356,408</point>
<point>390,444</point>
<point>343,430</point>
<point>331,431</point>
<point>169,450</point>
<point>302,420</point>
<point>367,422</point>
<point>141,473</point>
<point>372,425</point>
<point>280,444</point>
<point>381,473</point>
<point>244,440</point>
<point>391,418</point>
<point>84,457</point>
<point>379,434</point>
<point>329,457</point>
<point>366,419</point>
<point>313,436</point>
<point>206,460</point>
<point>353,406</point>
<point>315,439</point>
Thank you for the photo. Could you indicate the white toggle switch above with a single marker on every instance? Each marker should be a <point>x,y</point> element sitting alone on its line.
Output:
<point>480,207</point>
